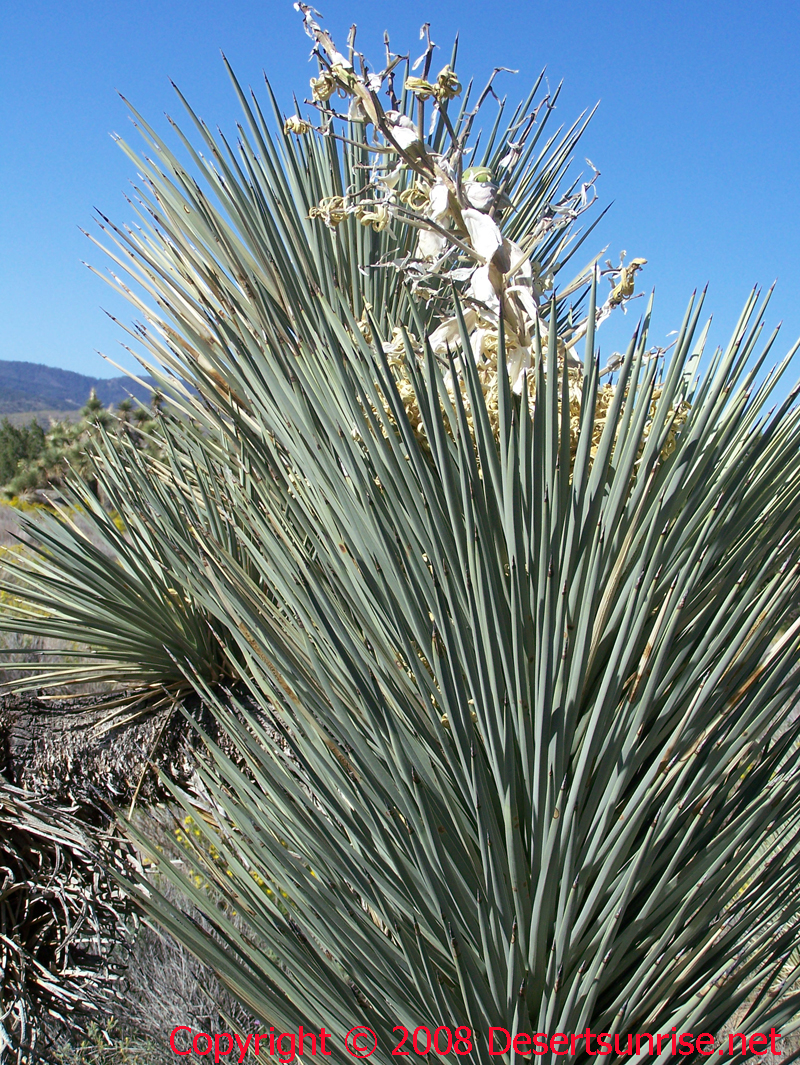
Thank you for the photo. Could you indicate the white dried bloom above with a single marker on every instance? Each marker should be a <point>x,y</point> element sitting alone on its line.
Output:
<point>484,233</point>
<point>438,202</point>
<point>486,288</point>
<point>480,194</point>
<point>430,244</point>
<point>448,334</point>
<point>402,129</point>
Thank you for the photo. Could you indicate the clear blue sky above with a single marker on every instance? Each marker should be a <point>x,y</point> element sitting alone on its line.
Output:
<point>697,136</point>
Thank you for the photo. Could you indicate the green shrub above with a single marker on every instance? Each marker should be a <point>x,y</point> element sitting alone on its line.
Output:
<point>23,444</point>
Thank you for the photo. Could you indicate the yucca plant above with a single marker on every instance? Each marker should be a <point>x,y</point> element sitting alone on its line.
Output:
<point>119,587</point>
<point>513,701</point>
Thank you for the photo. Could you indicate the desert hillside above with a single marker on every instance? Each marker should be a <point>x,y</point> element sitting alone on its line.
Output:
<point>29,387</point>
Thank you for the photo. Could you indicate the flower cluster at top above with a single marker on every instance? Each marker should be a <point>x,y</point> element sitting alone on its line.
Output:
<point>466,217</point>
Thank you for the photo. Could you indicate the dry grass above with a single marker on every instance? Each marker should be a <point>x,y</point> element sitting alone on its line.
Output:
<point>163,987</point>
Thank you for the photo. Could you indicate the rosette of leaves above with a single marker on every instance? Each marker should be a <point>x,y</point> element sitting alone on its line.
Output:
<point>534,719</point>
<point>101,578</point>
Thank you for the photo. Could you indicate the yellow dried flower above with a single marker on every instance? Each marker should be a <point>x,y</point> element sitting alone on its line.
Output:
<point>323,87</point>
<point>363,323</point>
<point>416,197</point>
<point>395,349</point>
<point>447,85</point>
<point>489,344</point>
<point>297,125</point>
<point>332,210</point>
<point>344,78</point>
<point>486,369</point>
<point>378,218</point>
<point>421,88</point>
<point>624,287</point>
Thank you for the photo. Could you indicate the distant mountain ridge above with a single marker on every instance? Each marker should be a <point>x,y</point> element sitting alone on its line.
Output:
<point>29,386</point>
